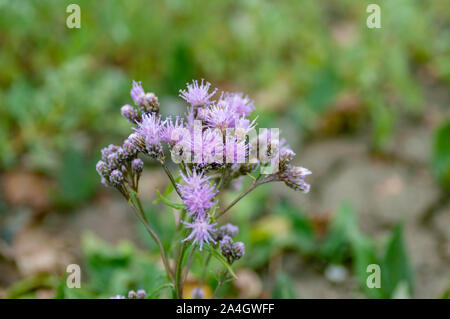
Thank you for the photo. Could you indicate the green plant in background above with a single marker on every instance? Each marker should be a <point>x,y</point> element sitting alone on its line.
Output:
<point>441,155</point>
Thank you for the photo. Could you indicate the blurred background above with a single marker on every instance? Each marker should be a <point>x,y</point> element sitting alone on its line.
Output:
<point>367,110</point>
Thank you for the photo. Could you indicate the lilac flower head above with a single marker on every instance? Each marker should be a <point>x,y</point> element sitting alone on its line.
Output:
<point>130,113</point>
<point>137,93</point>
<point>238,250</point>
<point>102,168</point>
<point>198,95</point>
<point>147,102</point>
<point>226,230</point>
<point>239,103</point>
<point>137,166</point>
<point>151,129</point>
<point>132,294</point>
<point>197,194</point>
<point>226,247</point>
<point>137,141</point>
<point>111,148</point>
<point>201,232</point>
<point>116,177</point>
<point>172,131</point>
<point>141,294</point>
<point>129,148</point>
<point>220,116</point>
<point>231,251</point>
<point>294,177</point>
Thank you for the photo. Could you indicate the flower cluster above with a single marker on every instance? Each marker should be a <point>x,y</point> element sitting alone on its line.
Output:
<point>232,251</point>
<point>215,146</point>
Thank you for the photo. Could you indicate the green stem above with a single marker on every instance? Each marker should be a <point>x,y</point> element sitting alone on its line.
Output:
<point>221,282</point>
<point>169,174</point>
<point>234,202</point>
<point>179,272</point>
<point>141,216</point>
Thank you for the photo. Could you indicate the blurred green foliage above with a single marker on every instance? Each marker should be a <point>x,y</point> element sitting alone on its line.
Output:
<point>61,90</point>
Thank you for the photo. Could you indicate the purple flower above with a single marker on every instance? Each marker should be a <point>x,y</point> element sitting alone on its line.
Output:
<point>137,93</point>
<point>151,130</point>
<point>231,251</point>
<point>197,194</point>
<point>197,95</point>
<point>172,132</point>
<point>102,168</point>
<point>132,294</point>
<point>226,247</point>
<point>137,141</point>
<point>238,250</point>
<point>137,165</point>
<point>239,103</point>
<point>227,230</point>
<point>116,177</point>
<point>147,102</point>
<point>220,116</point>
<point>130,113</point>
<point>140,294</point>
<point>108,151</point>
<point>201,232</point>
<point>293,176</point>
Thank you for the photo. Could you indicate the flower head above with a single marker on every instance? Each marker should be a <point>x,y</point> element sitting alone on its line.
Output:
<point>197,194</point>
<point>137,93</point>
<point>141,294</point>
<point>116,177</point>
<point>198,95</point>
<point>201,232</point>
<point>230,250</point>
<point>220,116</point>
<point>172,131</point>
<point>239,103</point>
<point>137,166</point>
<point>130,113</point>
<point>226,230</point>
<point>151,130</point>
<point>293,176</point>
<point>147,102</point>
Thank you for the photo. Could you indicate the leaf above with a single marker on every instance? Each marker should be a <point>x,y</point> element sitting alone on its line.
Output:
<point>441,155</point>
<point>335,246</point>
<point>395,268</point>
<point>222,260</point>
<point>168,202</point>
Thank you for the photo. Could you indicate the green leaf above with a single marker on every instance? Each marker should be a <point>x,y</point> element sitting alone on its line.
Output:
<point>441,155</point>
<point>222,259</point>
<point>396,269</point>
<point>168,202</point>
